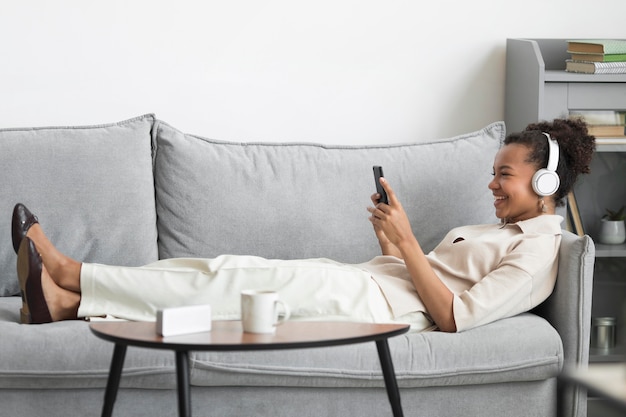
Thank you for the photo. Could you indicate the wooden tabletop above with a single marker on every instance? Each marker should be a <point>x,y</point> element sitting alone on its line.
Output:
<point>229,335</point>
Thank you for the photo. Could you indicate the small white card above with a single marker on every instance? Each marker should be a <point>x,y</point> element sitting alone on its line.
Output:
<point>183,320</point>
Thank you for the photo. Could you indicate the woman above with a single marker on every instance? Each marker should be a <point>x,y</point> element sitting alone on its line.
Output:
<point>476,275</point>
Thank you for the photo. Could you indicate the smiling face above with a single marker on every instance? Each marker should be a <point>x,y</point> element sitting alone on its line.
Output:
<point>514,198</point>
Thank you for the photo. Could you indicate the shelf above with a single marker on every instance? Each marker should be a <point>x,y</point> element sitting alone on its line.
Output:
<point>616,354</point>
<point>610,251</point>
<point>558,76</point>
<point>610,144</point>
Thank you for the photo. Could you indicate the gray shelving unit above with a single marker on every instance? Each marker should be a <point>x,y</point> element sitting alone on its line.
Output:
<point>539,88</point>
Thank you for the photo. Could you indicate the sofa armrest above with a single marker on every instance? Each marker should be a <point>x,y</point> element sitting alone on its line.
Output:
<point>568,309</point>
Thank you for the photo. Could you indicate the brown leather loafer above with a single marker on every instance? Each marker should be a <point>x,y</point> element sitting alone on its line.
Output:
<point>22,220</point>
<point>34,307</point>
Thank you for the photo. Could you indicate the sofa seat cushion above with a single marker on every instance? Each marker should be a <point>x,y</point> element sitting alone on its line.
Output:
<point>67,355</point>
<point>92,188</point>
<point>294,201</point>
<point>521,348</point>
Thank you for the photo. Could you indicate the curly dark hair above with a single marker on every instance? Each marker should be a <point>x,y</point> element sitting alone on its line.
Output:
<point>576,148</point>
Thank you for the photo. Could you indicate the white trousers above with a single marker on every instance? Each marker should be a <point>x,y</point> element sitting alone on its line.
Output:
<point>319,289</point>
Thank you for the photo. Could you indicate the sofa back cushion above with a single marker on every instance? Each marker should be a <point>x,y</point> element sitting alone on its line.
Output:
<point>296,200</point>
<point>91,187</point>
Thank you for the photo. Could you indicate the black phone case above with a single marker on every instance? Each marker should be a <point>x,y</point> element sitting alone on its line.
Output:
<point>378,172</point>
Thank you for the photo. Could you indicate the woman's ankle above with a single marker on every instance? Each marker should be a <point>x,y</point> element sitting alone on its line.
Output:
<point>62,304</point>
<point>67,275</point>
<point>63,270</point>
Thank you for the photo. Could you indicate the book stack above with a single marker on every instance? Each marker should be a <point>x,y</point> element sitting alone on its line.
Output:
<point>603,123</point>
<point>597,56</point>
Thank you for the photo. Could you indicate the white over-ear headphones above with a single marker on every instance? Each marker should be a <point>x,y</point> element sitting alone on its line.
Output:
<point>546,181</point>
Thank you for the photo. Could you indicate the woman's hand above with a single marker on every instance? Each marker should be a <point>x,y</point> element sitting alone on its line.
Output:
<point>391,224</point>
<point>386,247</point>
<point>392,227</point>
<point>382,239</point>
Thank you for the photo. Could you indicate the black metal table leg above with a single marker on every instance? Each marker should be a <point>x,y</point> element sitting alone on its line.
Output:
<point>390,377</point>
<point>113,383</point>
<point>182,377</point>
<point>292,335</point>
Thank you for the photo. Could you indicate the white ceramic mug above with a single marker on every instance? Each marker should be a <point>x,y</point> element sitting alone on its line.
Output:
<point>261,311</point>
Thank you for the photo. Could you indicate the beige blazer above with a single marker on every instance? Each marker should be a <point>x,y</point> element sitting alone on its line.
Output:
<point>494,271</point>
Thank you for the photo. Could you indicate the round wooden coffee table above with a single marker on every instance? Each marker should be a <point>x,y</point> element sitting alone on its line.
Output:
<point>229,336</point>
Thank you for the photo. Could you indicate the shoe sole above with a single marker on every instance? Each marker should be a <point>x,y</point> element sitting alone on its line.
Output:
<point>22,276</point>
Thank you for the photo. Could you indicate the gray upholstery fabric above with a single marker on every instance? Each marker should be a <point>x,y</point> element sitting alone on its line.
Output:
<point>569,310</point>
<point>217,197</point>
<point>67,355</point>
<point>512,356</point>
<point>420,359</point>
<point>91,187</point>
<point>450,401</point>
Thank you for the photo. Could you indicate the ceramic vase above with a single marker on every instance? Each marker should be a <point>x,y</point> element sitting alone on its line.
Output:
<point>612,232</point>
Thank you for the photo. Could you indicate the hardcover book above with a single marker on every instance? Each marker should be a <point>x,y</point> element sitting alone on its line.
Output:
<point>602,123</point>
<point>595,67</point>
<point>606,130</point>
<point>597,46</point>
<point>600,117</point>
<point>598,57</point>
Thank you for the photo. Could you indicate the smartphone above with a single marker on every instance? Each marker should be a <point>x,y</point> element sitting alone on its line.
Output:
<point>378,173</point>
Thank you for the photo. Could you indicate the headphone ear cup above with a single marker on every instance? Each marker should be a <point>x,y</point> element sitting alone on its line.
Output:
<point>545,182</point>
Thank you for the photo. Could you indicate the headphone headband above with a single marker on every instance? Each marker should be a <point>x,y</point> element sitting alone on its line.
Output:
<point>553,153</point>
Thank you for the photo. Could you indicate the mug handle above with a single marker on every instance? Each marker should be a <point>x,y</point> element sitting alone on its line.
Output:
<point>286,313</point>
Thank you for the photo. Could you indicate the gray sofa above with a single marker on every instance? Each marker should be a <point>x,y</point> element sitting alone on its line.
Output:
<point>132,192</point>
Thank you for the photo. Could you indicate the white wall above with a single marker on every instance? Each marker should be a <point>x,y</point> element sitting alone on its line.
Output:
<point>330,71</point>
